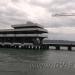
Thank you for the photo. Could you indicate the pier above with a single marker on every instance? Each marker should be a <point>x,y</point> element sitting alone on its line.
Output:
<point>27,36</point>
<point>59,43</point>
<point>23,46</point>
<point>45,46</point>
<point>30,36</point>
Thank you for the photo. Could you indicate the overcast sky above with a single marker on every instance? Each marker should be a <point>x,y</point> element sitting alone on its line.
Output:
<point>42,12</point>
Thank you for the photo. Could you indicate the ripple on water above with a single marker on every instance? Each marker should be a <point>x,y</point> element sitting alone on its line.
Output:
<point>32,62</point>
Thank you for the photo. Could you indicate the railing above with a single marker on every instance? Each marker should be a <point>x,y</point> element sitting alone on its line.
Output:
<point>23,35</point>
<point>15,44</point>
<point>59,42</point>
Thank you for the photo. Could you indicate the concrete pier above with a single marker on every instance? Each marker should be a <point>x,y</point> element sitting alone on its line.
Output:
<point>35,47</point>
<point>57,47</point>
<point>69,48</point>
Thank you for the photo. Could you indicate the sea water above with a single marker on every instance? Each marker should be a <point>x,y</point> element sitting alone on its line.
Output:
<point>36,62</point>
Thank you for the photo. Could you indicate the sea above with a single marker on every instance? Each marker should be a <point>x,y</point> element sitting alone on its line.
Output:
<point>36,62</point>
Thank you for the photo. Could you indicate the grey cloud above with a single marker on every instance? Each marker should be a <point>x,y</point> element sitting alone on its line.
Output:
<point>60,7</point>
<point>10,15</point>
<point>61,2</point>
<point>20,11</point>
<point>13,14</point>
<point>34,2</point>
<point>63,22</point>
<point>59,36</point>
<point>15,1</point>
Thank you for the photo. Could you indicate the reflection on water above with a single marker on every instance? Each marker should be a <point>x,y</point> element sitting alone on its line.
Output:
<point>24,55</point>
<point>36,62</point>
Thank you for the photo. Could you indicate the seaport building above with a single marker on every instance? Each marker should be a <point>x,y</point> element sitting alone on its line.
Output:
<point>29,35</point>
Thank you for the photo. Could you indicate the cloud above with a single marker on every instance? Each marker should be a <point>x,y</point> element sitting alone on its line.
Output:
<point>62,33</point>
<point>39,11</point>
<point>62,30</point>
<point>20,11</point>
<point>43,3</point>
<point>61,7</point>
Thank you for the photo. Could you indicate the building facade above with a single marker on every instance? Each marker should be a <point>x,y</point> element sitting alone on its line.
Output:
<point>24,33</point>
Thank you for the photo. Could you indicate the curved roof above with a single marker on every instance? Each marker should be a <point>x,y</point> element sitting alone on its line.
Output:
<point>25,29</point>
<point>27,25</point>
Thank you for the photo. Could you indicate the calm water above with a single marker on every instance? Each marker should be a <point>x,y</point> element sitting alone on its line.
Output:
<point>36,62</point>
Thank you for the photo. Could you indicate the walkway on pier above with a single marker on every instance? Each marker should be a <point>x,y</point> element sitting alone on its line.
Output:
<point>23,45</point>
<point>54,43</point>
<point>60,43</point>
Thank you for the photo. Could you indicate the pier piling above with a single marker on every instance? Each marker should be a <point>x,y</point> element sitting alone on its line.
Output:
<point>57,47</point>
<point>69,48</point>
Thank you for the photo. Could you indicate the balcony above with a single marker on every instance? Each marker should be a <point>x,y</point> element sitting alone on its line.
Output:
<point>24,35</point>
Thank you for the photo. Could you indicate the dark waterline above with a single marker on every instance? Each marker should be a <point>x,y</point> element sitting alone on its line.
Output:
<point>36,62</point>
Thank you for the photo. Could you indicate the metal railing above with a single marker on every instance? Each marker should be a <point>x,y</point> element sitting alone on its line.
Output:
<point>23,35</point>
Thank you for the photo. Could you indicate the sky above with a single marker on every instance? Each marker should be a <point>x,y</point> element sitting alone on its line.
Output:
<point>44,12</point>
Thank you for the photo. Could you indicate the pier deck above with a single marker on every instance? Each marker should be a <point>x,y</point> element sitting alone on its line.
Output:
<point>58,44</point>
<point>30,36</point>
<point>55,44</point>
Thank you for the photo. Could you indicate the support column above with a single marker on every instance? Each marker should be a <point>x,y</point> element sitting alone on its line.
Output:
<point>41,47</point>
<point>69,48</point>
<point>57,47</point>
<point>47,46</point>
<point>32,47</point>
